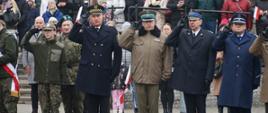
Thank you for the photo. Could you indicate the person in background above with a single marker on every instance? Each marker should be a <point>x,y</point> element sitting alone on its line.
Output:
<point>28,64</point>
<point>236,6</point>
<point>210,20</point>
<point>52,11</point>
<point>167,93</point>
<point>28,15</point>
<point>241,69</point>
<point>259,48</point>
<point>10,13</point>
<point>72,98</point>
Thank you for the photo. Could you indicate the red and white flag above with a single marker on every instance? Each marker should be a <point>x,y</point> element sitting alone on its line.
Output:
<point>121,98</point>
<point>256,14</point>
<point>10,69</point>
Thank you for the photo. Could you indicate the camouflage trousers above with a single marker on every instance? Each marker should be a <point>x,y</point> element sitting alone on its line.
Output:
<point>49,97</point>
<point>73,99</point>
<point>8,103</point>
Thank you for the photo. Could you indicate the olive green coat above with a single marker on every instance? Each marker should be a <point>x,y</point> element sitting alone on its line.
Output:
<point>48,57</point>
<point>9,50</point>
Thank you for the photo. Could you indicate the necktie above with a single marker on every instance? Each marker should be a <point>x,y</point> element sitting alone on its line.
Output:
<point>193,37</point>
<point>97,29</point>
<point>239,37</point>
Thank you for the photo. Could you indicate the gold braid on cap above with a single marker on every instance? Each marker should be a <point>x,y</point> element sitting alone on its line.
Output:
<point>95,11</point>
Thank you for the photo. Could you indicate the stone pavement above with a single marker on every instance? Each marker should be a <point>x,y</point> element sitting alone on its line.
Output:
<point>26,108</point>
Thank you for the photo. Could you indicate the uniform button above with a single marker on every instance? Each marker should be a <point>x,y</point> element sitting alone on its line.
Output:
<point>237,56</point>
<point>238,48</point>
<point>237,65</point>
<point>101,45</point>
<point>99,65</point>
<point>100,54</point>
<point>237,74</point>
<point>94,54</point>
<point>95,44</point>
<point>92,64</point>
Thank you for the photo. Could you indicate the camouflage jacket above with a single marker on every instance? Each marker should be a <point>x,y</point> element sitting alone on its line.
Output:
<point>8,47</point>
<point>48,58</point>
<point>71,59</point>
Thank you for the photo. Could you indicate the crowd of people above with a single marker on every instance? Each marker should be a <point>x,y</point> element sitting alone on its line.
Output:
<point>84,52</point>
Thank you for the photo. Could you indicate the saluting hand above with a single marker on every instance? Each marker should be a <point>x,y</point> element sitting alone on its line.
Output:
<point>35,30</point>
<point>180,3</point>
<point>225,30</point>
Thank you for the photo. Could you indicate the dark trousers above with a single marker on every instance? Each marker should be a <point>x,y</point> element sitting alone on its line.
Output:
<point>266,107</point>
<point>72,99</point>
<point>96,104</point>
<point>167,97</point>
<point>220,108</point>
<point>238,110</point>
<point>195,103</point>
<point>34,96</point>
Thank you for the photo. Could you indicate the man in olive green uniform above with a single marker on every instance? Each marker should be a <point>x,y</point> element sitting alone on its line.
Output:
<point>71,97</point>
<point>48,56</point>
<point>9,51</point>
<point>151,60</point>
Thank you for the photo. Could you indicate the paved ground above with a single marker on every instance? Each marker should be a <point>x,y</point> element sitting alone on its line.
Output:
<point>26,108</point>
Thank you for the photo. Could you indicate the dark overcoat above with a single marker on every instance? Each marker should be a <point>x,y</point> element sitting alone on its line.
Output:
<point>195,61</point>
<point>240,70</point>
<point>100,58</point>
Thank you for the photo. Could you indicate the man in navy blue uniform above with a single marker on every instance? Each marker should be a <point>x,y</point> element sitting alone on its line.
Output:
<point>241,69</point>
<point>100,60</point>
<point>194,64</point>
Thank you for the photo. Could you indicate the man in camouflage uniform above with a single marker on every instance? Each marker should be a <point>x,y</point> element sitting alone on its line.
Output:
<point>71,97</point>
<point>48,56</point>
<point>8,47</point>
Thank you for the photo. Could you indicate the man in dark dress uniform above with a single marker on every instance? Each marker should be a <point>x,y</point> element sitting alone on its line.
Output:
<point>100,60</point>
<point>194,65</point>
